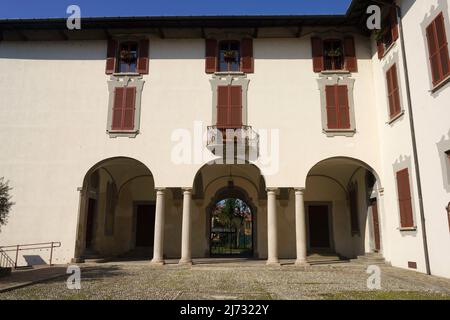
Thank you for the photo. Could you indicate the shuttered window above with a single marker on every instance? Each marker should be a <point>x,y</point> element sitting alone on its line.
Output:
<point>127,57</point>
<point>247,55</point>
<point>389,33</point>
<point>393,92</point>
<point>351,63</point>
<point>229,56</point>
<point>334,54</point>
<point>338,111</point>
<point>229,107</point>
<point>404,199</point>
<point>124,109</point>
<point>438,49</point>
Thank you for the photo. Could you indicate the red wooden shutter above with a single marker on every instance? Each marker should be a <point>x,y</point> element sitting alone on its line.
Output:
<point>247,63</point>
<point>119,96</point>
<point>317,54</point>
<point>350,54</point>
<point>404,199</point>
<point>124,108</point>
<point>143,58</point>
<point>393,91</point>
<point>211,55</point>
<point>380,49</point>
<point>111,56</point>
<point>129,108</point>
<point>222,106</point>
<point>394,23</point>
<point>442,44</point>
<point>343,107</point>
<point>235,112</point>
<point>433,52</point>
<point>332,121</point>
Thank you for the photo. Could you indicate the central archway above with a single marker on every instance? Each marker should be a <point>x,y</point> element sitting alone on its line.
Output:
<point>231,223</point>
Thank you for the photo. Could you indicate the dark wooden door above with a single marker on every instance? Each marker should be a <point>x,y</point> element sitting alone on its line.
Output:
<point>376,224</point>
<point>319,228</point>
<point>145,225</point>
<point>92,205</point>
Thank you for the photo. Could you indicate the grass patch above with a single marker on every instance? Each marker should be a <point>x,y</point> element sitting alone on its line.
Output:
<point>386,295</point>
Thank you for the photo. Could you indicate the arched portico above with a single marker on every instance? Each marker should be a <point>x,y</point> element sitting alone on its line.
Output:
<point>117,209</point>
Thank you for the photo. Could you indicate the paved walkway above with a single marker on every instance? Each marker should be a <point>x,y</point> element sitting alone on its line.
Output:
<point>234,280</point>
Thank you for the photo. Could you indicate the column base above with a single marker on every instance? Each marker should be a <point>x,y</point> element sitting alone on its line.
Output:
<point>185,262</point>
<point>273,263</point>
<point>157,263</point>
<point>302,263</point>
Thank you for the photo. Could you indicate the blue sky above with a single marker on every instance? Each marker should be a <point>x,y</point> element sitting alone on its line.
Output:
<point>101,8</point>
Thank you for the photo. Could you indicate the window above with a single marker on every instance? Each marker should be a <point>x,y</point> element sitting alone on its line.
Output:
<point>124,109</point>
<point>127,57</point>
<point>229,107</point>
<point>334,54</point>
<point>338,113</point>
<point>229,56</point>
<point>404,199</point>
<point>393,92</point>
<point>438,50</point>
<point>389,32</point>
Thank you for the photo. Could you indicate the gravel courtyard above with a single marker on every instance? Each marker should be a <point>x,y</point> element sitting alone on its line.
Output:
<point>137,280</point>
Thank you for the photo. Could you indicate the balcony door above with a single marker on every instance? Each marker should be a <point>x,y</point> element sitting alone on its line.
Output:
<point>229,107</point>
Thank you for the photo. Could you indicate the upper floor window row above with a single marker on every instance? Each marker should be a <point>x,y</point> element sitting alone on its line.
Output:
<point>127,57</point>
<point>229,56</point>
<point>389,32</point>
<point>334,54</point>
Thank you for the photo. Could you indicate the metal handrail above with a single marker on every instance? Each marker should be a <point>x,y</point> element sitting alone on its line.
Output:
<point>5,260</point>
<point>32,246</point>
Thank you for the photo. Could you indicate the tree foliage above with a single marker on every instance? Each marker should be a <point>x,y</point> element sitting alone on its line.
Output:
<point>5,201</point>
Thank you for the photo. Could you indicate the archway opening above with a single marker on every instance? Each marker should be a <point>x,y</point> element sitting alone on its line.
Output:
<point>231,228</point>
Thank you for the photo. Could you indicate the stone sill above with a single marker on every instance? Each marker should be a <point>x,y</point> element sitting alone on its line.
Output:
<point>328,72</point>
<point>440,85</point>
<point>126,74</point>
<point>121,134</point>
<point>407,229</point>
<point>231,73</point>
<point>337,132</point>
<point>396,117</point>
<point>388,49</point>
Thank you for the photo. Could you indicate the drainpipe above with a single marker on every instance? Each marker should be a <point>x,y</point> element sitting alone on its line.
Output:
<point>414,142</point>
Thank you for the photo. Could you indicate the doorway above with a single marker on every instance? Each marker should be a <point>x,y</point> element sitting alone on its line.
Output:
<point>145,225</point>
<point>376,225</point>
<point>319,227</point>
<point>92,207</point>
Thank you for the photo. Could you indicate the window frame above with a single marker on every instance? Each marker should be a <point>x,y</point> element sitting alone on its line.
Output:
<point>119,59</point>
<point>239,60</point>
<point>395,92</point>
<point>341,46</point>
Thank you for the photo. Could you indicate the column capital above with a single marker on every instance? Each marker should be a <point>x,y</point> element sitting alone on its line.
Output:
<point>187,189</point>
<point>271,189</point>
<point>300,190</point>
<point>160,189</point>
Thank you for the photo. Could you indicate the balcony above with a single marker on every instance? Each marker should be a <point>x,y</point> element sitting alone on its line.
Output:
<point>240,144</point>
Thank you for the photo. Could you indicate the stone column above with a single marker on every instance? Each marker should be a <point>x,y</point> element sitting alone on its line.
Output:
<point>272,235</point>
<point>186,228</point>
<point>158,245</point>
<point>300,227</point>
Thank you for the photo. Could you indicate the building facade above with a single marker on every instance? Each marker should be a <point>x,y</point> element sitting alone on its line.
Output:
<point>132,133</point>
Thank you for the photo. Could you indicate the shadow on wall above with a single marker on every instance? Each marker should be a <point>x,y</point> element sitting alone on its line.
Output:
<point>442,6</point>
<point>34,260</point>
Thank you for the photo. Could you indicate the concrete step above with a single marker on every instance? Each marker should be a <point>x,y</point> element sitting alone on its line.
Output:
<point>370,258</point>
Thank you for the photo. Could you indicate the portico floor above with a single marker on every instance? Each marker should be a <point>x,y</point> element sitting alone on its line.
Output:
<point>236,280</point>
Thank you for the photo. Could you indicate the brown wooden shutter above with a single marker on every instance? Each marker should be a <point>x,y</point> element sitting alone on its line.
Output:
<point>442,44</point>
<point>393,91</point>
<point>247,63</point>
<point>129,108</point>
<point>332,119</point>
<point>111,56</point>
<point>317,54</point>
<point>350,54</point>
<point>433,52</point>
<point>235,112</point>
<point>404,199</point>
<point>118,106</point>
<point>222,106</point>
<point>394,23</point>
<point>143,57</point>
<point>380,49</point>
<point>211,55</point>
<point>343,107</point>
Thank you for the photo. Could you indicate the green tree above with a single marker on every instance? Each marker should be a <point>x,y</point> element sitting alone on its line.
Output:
<point>5,201</point>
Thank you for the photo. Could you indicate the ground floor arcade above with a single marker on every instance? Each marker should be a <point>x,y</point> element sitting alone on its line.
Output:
<point>229,212</point>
